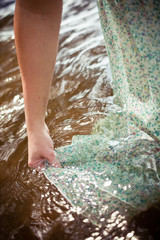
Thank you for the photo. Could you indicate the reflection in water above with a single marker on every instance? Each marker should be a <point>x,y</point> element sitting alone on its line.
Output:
<point>30,207</point>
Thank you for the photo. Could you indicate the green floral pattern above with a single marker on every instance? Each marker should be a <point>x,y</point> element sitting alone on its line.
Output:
<point>117,167</point>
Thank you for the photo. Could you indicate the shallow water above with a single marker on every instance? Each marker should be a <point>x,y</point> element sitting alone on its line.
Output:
<point>30,207</point>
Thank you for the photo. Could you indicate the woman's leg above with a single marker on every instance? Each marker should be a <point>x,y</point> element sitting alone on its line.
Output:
<point>36,25</point>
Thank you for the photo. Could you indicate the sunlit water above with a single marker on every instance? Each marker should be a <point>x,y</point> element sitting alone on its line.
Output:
<point>30,207</point>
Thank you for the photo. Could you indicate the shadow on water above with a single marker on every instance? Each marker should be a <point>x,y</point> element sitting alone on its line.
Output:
<point>30,207</point>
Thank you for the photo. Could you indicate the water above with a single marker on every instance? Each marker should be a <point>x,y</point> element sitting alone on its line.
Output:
<point>81,93</point>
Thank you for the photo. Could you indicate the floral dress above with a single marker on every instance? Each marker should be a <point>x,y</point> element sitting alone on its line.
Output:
<point>117,167</point>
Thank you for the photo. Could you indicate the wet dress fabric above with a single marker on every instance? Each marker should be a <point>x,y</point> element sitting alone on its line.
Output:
<point>117,167</point>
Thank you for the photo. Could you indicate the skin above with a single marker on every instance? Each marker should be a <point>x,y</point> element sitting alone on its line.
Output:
<point>36,26</point>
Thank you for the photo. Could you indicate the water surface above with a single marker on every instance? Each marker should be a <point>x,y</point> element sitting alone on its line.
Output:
<point>81,93</point>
